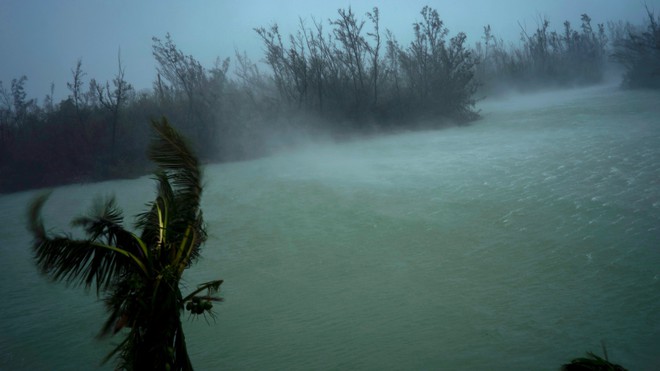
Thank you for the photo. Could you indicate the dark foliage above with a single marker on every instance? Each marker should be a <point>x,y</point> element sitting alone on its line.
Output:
<point>638,51</point>
<point>345,76</point>
<point>591,363</point>
<point>544,58</point>
<point>139,276</point>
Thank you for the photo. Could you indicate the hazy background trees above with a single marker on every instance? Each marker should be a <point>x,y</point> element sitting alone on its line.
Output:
<point>637,49</point>
<point>544,58</point>
<point>113,101</point>
<point>344,76</point>
<point>357,76</point>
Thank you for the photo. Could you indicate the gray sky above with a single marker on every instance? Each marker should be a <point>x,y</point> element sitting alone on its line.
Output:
<point>43,39</point>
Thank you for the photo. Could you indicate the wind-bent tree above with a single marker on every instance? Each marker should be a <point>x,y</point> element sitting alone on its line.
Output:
<point>439,75</point>
<point>200,90</point>
<point>638,51</point>
<point>139,275</point>
<point>352,54</point>
<point>113,100</point>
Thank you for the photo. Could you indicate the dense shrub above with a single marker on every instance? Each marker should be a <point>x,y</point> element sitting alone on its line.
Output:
<point>346,81</point>
<point>545,58</point>
<point>638,51</point>
<point>345,76</point>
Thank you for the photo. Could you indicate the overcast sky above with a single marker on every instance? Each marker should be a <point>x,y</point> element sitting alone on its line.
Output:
<point>43,39</point>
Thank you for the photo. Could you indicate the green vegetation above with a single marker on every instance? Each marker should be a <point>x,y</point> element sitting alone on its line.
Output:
<point>139,275</point>
<point>367,77</point>
<point>638,51</point>
<point>545,58</point>
<point>354,78</point>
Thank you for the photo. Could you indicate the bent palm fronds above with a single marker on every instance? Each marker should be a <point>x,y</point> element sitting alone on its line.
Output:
<point>139,275</point>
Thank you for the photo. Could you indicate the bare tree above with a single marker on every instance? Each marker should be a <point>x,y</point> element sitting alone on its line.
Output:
<point>276,57</point>
<point>76,86</point>
<point>5,115</point>
<point>20,101</point>
<point>113,100</point>
<point>48,100</point>
<point>348,31</point>
<point>198,88</point>
<point>374,51</point>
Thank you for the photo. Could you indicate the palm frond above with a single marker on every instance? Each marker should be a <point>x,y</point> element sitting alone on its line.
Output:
<point>180,186</point>
<point>124,304</point>
<point>140,276</point>
<point>104,223</point>
<point>81,262</point>
<point>212,287</point>
<point>171,152</point>
<point>104,214</point>
<point>155,222</point>
<point>35,221</point>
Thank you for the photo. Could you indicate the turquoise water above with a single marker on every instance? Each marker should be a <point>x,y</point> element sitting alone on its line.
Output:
<point>517,243</point>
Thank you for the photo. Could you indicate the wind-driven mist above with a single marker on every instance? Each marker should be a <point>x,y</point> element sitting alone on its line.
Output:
<point>376,197</point>
<point>518,243</point>
<point>341,77</point>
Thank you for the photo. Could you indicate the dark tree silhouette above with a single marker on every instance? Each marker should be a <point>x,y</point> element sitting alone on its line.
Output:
<point>198,89</point>
<point>638,51</point>
<point>139,274</point>
<point>592,362</point>
<point>114,99</point>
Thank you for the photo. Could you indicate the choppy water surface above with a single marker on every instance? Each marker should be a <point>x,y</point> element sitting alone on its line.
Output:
<point>516,243</point>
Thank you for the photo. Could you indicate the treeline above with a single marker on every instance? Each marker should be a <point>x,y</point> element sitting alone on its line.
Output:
<point>100,131</point>
<point>637,49</point>
<point>367,77</point>
<point>352,79</point>
<point>356,77</point>
<point>571,57</point>
<point>544,58</point>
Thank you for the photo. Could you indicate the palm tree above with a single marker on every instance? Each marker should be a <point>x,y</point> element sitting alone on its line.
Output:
<point>139,275</point>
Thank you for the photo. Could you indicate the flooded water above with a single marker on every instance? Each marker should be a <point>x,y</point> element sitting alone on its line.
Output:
<point>516,243</point>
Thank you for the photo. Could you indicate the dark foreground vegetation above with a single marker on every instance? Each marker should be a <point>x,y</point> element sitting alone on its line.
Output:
<point>346,76</point>
<point>592,362</point>
<point>139,275</point>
